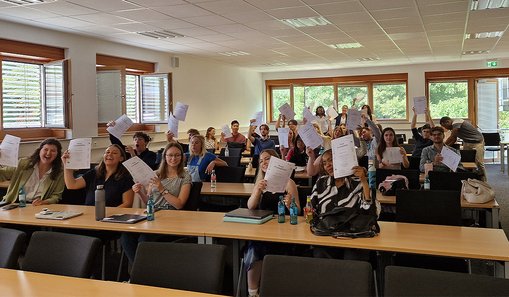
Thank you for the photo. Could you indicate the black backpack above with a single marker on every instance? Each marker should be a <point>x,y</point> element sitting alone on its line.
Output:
<point>392,183</point>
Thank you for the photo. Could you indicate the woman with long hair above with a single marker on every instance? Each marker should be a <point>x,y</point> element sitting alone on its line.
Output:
<point>40,175</point>
<point>322,119</point>
<point>200,163</point>
<point>210,139</point>
<point>110,173</point>
<point>382,153</point>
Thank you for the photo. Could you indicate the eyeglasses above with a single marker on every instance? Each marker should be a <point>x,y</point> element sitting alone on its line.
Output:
<point>436,134</point>
<point>176,156</point>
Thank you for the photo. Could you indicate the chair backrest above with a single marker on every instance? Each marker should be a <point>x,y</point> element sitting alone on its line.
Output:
<point>363,161</point>
<point>428,207</point>
<point>411,141</point>
<point>467,155</point>
<point>255,160</point>
<point>491,139</point>
<point>289,276</point>
<point>232,161</point>
<point>232,152</point>
<point>185,147</point>
<point>409,148</point>
<point>412,175</point>
<point>415,163</point>
<point>184,266</point>
<point>240,145</point>
<point>407,281</point>
<point>61,253</point>
<point>274,138</point>
<point>401,137</point>
<point>76,197</point>
<point>230,174</point>
<point>11,244</point>
<point>193,201</point>
<point>449,180</point>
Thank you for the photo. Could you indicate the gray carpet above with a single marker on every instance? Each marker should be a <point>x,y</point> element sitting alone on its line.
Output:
<point>500,183</point>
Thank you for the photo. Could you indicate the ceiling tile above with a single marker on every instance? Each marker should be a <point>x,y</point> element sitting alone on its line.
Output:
<point>274,4</point>
<point>142,15</point>
<point>65,22</point>
<point>195,32</point>
<point>350,18</point>
<point>249,17</point>
<point>338,8</point>
<point>103,19</point>
<point>209,20</point>
<point>449,7</point>
<point>157,3</point>
<point>292,13</point>
<point>26,13</point>
<point>65,8</point>
<point>378,5</point>
<point>136,27</point>
<point>105,6</point>
<point>170,24</point>
<point>184,11</point>
<point>227,6</point>
<point>395,13</point>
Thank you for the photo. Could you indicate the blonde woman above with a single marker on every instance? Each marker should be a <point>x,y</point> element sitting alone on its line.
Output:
<point>200,163</point>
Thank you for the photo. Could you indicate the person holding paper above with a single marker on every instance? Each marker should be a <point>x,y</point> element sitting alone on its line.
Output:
<point>41,175</point>
<point>236,136</point>
<point>297,154</point>
<point>116,179</point>
<point>262,142</point>
<point>366,110</point>
<point>200,163</point>
<point>383,154</point>
<point>421,140</point>
<point>322,120</point>
<point>341,119</point>
<point>210,139</point>
<point>261,199</point>
<point>432,154</point>
<point>472,140</point>
<point>173,184</point>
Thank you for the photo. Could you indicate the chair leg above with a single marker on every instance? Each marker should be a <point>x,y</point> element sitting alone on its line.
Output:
<point>120,265</point>
<point>239,282</point>
<point>103,266</point>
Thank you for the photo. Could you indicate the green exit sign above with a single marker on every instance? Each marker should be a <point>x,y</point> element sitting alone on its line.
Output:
<point>492,64</point>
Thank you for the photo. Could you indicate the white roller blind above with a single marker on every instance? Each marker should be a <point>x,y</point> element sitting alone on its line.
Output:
<point>55,95</point>
<point>131,98</point>
<point>154,98</point>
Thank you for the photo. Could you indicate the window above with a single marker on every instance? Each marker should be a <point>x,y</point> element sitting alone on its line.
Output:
<point>348,93</point>
<point>154,98</point>
<point>448,98</point>
<point>389,100</point>
<point>311,96</point>
<point>280,96</point>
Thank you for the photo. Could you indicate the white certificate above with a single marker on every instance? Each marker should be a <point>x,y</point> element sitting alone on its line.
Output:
<point>310,117</point>
<point>287,111</point>
<point>393,155</point>
<point>173,125</point>
<point>451,159</point>
<point>344,157</point>
<point>310,136</point>
<point>226,131</point>
<point>332,112</point>
<point>9,150</point>
<point>277,175</point>
<point>79,153</point>
<point>180,111</point>
<point>282,135</point>
<point>420,104</point>
<point>121,125</point>
<point>139,170</point>
<point>258,116</point>
<point>353,120</point>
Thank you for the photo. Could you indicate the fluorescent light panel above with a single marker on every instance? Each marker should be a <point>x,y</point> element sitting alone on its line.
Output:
<point>307,22</point>
<point>479,52</point>
<point>480,35</point>
<point>27,2</point>
<point>160,34</point>
<point>368,59</point>
<point>346,45</point>
<point>234,53</point>
<point>488,4</point>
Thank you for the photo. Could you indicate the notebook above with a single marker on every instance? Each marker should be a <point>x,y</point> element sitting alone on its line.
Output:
<point>250,216</point>
<point>124,218</point>
<point>57,215</point>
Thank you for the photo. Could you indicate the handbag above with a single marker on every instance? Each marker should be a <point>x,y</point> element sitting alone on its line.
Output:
<point>476,191</point>
<point>349,222</point>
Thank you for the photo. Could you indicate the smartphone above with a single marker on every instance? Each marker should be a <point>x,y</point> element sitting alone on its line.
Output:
<point>10,206</point>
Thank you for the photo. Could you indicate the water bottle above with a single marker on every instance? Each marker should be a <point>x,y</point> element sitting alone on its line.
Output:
<point>294,212</point>
<point>426,183</point>
<point>371,174</point>
<point>213,179</point>
<point>22,197</point>
<point>100,203</point>
<point>281,210</point>
<point>150,205</point>
<point>226,151</point>
<point>308,210</point>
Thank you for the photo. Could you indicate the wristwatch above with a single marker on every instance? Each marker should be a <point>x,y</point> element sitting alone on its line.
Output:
<point>165,192</point>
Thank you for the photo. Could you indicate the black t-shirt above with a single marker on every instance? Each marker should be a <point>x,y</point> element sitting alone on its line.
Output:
<point>113,188</point>
<point>420,143</point>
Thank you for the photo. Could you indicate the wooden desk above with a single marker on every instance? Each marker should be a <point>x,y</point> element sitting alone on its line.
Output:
<point>245,160</point>
<point>492,208</point>
<point>469,165</point>
<point>18,283</point>
<point>228,189</point>
<point>245,153</point>
<point>5,184</point>
<point>250,172</point>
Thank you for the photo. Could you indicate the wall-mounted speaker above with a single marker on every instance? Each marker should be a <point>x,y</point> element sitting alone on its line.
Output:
<point>175,62</point>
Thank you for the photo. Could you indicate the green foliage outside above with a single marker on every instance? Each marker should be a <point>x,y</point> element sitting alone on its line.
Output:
<point>448,99</point>
<point>347,94</point>
<point>389,101</point>
<point>313,96</point>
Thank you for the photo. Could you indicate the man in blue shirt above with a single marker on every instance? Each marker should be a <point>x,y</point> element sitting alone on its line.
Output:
<point>263,142</point>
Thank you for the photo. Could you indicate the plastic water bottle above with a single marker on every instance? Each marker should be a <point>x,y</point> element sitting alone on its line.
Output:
<point>150,205</point>
<point>294,212</point>
<point>226,151</point>
<point>22,197</point>
<point>371,174</point>
<point>427,185</point>
<point>281,210</point>
<point>100,203</point>
<point>308,210</point>
<point>213,179</point>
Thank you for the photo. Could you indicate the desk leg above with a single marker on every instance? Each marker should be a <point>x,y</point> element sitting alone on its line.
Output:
<point>494,218</point>
<point>205,240</point>
<point>502,157</point>
<point>502,269</point>
<point>383,259</point>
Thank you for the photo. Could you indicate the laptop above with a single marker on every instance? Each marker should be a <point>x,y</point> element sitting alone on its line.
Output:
<point>57,215</point>
<point>124,218</point>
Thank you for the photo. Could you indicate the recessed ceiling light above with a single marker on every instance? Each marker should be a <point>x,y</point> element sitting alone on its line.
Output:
<point>346,45</point>
<point>277,64</point>
<point>160,34</point>
<point>475,52</point>
<point>27,2</point>
<point>368,59</point>
<point>488,4</point>
<point>307,22</point>
<point>484,35</point>
<point>234,53</point>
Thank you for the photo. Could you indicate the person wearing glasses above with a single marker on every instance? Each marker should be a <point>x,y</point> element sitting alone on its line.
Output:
<point>432,154</point>
<point>172,184</point>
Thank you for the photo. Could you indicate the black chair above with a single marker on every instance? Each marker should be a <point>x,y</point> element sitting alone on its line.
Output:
<point>193,201</point>
<point>411,141</point>
<point>274,138</point>
<point>184,266</point>
<point>363,162</point>
<point>232,161</point>
<point>233,152</point>
<point>255,160</point>
<point>401,138</point>
<point>61,253</point>
<point>468,155</point>
<point>75,197</point>
<point>409,148</point>
<point>406,281</point>
<point>492,143</point>
<point>240,145</point>
<point>230,174</point>
<point>290,276</point>
<point>415,163</point>
<point>412,175</point>
<point>11,244</point>
<point>449,180</point>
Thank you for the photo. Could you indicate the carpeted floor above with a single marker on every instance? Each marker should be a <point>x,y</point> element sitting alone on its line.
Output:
<point>500,183</point>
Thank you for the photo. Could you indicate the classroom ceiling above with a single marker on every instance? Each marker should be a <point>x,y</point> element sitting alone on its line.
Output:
<point>252,33</point>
